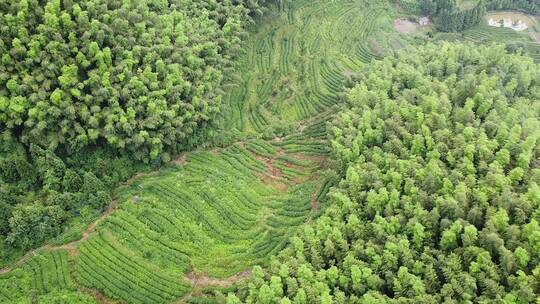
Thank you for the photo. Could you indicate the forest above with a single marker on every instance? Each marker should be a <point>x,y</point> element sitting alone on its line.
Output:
<point>269,151</point>
<point>94,90</point>
<point>440,195</point>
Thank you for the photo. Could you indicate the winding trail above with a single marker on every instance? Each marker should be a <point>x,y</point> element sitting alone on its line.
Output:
<point>71,247</point>
<point>201,281</point>
<point>198,281</point>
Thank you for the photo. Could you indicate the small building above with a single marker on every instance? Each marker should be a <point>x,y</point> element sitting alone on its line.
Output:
<point>423,21</point>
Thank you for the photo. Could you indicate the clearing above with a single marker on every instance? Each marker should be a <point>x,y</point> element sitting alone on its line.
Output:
<point>466,4</point>
<point>515,20</point>
<point>406,26</point>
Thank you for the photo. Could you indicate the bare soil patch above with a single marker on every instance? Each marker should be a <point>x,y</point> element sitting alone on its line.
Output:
<point>182,160</point>
<point>536,37</point>
<point>202,280</point>
<point>314,203</point>
<point>377,48</point>
<point>272,176</point>
<point>405,26</point>
<point>515,20</point>
<point>348,73</point>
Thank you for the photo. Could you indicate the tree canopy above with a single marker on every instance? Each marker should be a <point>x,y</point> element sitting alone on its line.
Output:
<point>88,89</point>
<point>138,75</point>
<point>448,17</point>
<point>440,196</point>
<point>531,6</point>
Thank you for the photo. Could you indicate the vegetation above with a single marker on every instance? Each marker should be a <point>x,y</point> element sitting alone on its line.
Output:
<point>439,198</point>
<point>450,15</point>
<point>530,6</point>
<point>515,42</point>
<point>456,16</point>
<point>140,76</point>
<point>297,60</point>
<point>339,159</point>
<point>43,279</point>
<point>218,214</point>
<point>89,88</point>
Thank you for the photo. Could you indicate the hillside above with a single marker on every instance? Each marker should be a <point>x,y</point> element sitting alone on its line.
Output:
<point>267,152</point>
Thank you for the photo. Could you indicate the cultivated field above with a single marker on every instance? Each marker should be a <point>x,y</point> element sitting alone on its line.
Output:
<point>296,62</point>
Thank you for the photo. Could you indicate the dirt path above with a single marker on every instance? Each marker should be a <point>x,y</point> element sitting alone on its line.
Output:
<point>535,37</point>
<point>273,176</point>
<point>71,247</point>
<point>21,261</point>
<point>182,160</point>
<point>314,203</point>
<point>201,281</point>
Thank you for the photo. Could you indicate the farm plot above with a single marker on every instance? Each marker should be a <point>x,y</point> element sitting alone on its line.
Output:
<point>296,61</point>
<point>42,274</point>
<point>220,213</point>
<point>488,34</point>
<point>225,210</point>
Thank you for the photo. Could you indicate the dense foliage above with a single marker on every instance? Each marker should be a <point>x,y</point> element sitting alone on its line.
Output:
<point>437,152</point>
<point>40,192</point>
<point>448,17</point>
<point>140,75</point>
<point>88,88</point>
<point>440,199</point>
<point>530,6</point>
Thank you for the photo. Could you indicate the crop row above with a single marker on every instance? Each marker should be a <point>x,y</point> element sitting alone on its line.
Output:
<point>48,271</point>
<point>43,273</point>
<point>286,53</point>
<point>210,213</point>
<point>261,147</point>
<point>13,285</point>
<point>332,76</point>
<point>102,263</point>
<point>257,119</point>
<point>265,53</point>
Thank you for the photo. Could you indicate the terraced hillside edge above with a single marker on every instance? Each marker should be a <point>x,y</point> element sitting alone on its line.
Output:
<point>297,60</point>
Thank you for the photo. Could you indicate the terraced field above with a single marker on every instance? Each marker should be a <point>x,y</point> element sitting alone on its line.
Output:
<point>489,34</point>
<point>209,216</point>
<point>43,274</point>
<point>297,60</point>
<point>218,214</point>
<point>486,34</point>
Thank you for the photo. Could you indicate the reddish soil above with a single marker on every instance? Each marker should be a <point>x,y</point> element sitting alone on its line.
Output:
<point>272,176</point>
<point>314,203</point>
<point>182,160</point>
